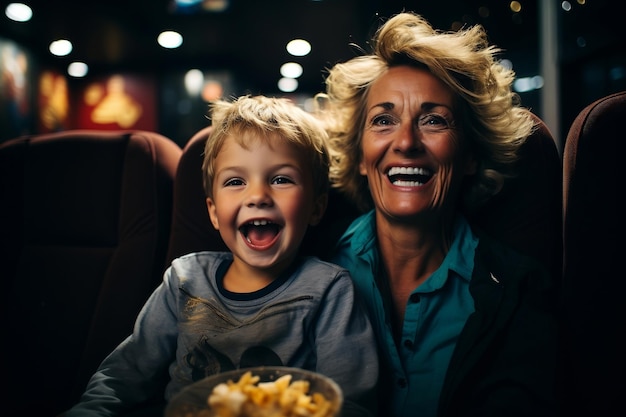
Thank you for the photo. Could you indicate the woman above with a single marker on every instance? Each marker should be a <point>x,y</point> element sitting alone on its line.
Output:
<point>424,130</point>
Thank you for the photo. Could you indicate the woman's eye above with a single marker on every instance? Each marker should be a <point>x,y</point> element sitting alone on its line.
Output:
<point>382,120</point>
<point>433,122</point>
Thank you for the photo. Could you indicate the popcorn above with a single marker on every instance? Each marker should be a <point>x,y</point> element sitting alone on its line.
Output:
<point>280,398</point>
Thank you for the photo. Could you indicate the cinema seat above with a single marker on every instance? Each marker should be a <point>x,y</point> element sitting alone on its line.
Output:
<point>192,230</point>
<point>526,214</point>
<point>594,311</point>
<point>84,226</point>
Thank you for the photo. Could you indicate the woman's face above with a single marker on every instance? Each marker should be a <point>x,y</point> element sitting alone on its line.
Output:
<point>415,155</point>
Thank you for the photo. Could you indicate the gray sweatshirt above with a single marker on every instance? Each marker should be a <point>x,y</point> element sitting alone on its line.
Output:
<point>191,327</point>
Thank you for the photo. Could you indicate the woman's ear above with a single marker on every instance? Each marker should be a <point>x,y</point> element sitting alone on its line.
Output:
<point>362,169</point>
<point>210,204</point>
<point>319,208</point>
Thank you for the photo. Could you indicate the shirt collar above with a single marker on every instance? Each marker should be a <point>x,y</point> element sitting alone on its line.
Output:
<point>461,254</point>
<point>459,261</point>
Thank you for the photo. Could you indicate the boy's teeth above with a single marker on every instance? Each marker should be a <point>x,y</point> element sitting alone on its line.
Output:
<point>259,222</point>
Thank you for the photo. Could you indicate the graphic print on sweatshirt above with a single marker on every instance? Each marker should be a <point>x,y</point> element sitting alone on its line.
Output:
<point>272,334</point>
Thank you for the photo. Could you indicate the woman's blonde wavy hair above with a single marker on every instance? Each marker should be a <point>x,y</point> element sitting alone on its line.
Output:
<point>491,116</point>
<point>267,118</point>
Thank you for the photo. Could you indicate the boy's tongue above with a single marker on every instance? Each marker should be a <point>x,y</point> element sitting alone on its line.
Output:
<point>262,235</point>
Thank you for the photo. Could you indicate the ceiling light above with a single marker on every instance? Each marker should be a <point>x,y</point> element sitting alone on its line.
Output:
<point>298,47</point>
<point>291,70</point>
<point>170,39</point>
<point>525,84</point>
<point>61,47</point>
<point>287,85</point>
<point>77,69</point>
<point>194,80</point>
<point>18,12</point>
<point>515,6</point>
<point>212,91</point>
<point>215,5</point>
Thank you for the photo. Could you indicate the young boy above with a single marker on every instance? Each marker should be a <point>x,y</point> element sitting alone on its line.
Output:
<point>266,180</point>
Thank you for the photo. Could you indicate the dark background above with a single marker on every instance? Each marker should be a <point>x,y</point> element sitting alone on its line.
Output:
<point>248,39</point>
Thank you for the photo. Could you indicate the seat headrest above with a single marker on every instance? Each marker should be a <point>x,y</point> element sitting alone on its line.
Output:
<point>526,214</point>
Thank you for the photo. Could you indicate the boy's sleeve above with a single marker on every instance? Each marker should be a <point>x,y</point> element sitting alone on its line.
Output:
<point>346,346</point>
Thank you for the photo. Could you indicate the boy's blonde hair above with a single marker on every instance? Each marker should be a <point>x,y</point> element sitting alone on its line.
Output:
<point>266,118</point>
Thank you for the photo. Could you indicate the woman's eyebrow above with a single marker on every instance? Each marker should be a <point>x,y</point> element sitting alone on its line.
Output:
<point>431,105</point>
<point>386,105</point>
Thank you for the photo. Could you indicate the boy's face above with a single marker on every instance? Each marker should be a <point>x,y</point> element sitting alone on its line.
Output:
<point>263,201</point>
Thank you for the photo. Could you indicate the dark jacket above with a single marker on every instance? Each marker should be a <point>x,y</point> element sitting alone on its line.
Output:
<point>505,359</point>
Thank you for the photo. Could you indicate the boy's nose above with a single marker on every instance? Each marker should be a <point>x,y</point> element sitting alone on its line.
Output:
<point>258,196</point>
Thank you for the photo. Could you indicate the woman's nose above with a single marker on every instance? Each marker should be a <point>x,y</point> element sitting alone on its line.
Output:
<point>408,139</point>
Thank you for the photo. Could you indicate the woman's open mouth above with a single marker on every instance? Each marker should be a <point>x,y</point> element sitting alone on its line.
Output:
<point>409,176</point>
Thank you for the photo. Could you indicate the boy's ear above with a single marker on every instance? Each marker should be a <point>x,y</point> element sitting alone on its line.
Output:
<point>212,215</point>
<point>319,208</point>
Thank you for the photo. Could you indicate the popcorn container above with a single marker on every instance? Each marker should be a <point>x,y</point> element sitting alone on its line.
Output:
<point>267,391</point>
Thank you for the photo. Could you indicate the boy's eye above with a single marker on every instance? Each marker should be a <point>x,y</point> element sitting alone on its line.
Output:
<point>233,182</point>
<point>282,180</point>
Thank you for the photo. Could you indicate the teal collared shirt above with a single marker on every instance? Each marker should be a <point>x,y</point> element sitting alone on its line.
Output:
<point>435,314</point>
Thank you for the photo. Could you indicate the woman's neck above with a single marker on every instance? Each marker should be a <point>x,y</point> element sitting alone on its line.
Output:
<point>409,255</point>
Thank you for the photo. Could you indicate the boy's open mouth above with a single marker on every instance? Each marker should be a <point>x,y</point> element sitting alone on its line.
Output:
<point>259,232</point>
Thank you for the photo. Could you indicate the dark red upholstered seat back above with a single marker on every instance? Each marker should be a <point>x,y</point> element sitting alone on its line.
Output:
<point>84,219</point>
<point>192,230</point>
<point>594,282</point>
<point>526,214</point>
